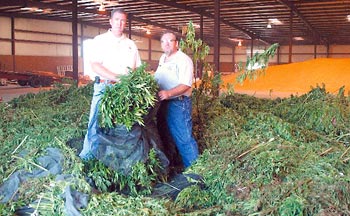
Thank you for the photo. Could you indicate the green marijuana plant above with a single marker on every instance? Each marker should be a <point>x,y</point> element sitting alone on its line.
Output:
<point>127,102</point>
<point>257,65</point>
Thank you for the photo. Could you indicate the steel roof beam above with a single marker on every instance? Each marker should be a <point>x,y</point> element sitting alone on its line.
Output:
<point>302,18</point>
<point>249,33</point>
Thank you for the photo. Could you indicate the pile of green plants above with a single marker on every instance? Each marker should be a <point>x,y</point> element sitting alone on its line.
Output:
<point>139,181</point>
<point>31,124</point>
<point>267,157</point>
<point>280,157</point>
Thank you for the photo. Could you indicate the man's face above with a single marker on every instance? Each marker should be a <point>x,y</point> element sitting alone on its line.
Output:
<point>118,23</point>
<point>169,43</point>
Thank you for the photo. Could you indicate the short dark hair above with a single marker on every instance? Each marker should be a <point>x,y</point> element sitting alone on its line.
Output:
<point>169,32</point>
<point>118,10</point>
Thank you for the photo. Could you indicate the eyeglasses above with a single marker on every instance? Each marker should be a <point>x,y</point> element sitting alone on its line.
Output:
<point>167,40</point>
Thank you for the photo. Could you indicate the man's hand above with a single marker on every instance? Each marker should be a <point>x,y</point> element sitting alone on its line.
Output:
<point>174,92</point>
<point>164,95</point>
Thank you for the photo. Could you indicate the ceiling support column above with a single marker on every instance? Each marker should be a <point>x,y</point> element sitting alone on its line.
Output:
<point>149,49</point>
<point>327,54</point>
<point>82,26</point>
<point>201,27</point>
<point>75,40</point>
<point>234,68</point>
<point>251,47</point>
<point>315,51</point>
<point>290,37</point>
<point>199,73</point>
<point>13,44</point>
<point>217,35</point>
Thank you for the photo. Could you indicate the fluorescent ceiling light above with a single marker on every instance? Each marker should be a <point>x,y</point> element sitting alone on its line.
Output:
<point>348,17</point>
<point>275,21</point>
<point>196,25</point>
<point>235,39</point>
<point>102,7</point>
<point>298,38</point>
<point>35,9</point>
<point>26,8</point>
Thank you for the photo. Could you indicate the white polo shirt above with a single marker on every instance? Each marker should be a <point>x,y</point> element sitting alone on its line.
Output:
<point>116,54</point>
<point>178,70</point>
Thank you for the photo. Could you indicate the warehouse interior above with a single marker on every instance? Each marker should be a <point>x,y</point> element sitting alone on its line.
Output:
<point>273,137</point>
<point>49,35</point>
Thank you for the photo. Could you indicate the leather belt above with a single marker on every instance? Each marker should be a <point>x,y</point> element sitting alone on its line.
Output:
<point>98,80</point>
<point>107,81</point>
<point>179,98</point>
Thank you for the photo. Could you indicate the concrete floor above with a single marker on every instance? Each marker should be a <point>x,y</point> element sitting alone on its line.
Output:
<point>11,91</point>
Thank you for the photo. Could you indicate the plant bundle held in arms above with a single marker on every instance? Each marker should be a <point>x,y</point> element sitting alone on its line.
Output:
<point>127,102</point>
<point>257,65</point>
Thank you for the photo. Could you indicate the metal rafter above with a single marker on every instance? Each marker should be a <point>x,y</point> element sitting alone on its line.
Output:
<point>251,34</point>
<point>317,21</point>
<point>291,6</point>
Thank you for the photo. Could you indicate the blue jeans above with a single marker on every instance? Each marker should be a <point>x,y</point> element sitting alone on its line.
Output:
<point>91,135</point>
<point>179,121</point>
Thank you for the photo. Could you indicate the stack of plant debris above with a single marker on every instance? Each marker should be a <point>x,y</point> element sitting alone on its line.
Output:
<point>267,157</point>
<point>278,157</point>
<point>41,174</point>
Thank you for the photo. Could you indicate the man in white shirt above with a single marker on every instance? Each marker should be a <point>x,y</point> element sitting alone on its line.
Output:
<point>112,56</point>
<point>174,76</point>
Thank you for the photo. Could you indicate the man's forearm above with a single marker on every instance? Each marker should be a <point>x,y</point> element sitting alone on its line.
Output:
<point>102,71</point>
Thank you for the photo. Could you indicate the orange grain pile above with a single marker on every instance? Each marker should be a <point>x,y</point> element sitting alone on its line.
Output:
<point>297,78</point>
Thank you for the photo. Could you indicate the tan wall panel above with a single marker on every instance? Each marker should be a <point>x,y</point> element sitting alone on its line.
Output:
<point>35,49</point>
<point>240,51</point>
<point>210,58</point>
<point>284,59</point>
<point>302,49</point>
<point>142,44</point>
<point>285,49</point>
<point>340,49</point>
<point>322,56</point>
<point>155,56</point>
<point>321,49</point>
<point>339,55</point>
<point>143,55</point>
<point>66,50</point>
<point>155,45</point>
<point>301,58</point>
<point>43,37</point>
<point>226,50</point>
<point>38,49</point>
<point>5,26</point>
<point>273,59</point>
<point>91,32</point>
<point>240,58</point>
<point>43,26</point>
<point>226,58</point>
<point>5,48</point>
